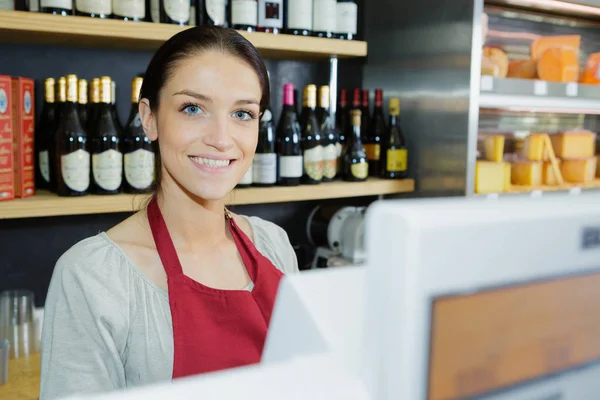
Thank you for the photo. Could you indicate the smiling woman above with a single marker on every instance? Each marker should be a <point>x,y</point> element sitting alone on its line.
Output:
<point>182,287</point>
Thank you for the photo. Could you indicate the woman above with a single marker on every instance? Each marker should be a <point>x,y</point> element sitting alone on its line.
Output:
<point>182,287</point>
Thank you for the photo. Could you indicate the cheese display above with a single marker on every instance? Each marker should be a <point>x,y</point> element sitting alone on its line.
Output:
<point>526,173</point>
<point>579,170</point>
<point>494,62</point>
<point>522,69</point>
<point>544,43</point>
<point>575,144</point>
<point>533,147</point>
<point>491,177</point>
<point>591,71</point>
<point>548,175</point>
<point>494,148</point>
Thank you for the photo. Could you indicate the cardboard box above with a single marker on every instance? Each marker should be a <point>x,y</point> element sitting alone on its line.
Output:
<point>7,177</point>
<point>24,130</point>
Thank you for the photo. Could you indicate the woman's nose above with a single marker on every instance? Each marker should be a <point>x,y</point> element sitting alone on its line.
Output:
<point>218,135</point>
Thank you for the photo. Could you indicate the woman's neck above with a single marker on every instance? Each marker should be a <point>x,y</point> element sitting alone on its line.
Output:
<point>192,222</point>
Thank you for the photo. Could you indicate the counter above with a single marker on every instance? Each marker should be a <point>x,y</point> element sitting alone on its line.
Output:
<point>23,379</point>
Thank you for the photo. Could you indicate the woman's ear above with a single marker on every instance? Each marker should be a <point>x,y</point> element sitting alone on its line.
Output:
<point>148,120</point>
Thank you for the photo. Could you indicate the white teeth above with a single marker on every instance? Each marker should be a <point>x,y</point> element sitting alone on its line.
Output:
<point>210,162</point>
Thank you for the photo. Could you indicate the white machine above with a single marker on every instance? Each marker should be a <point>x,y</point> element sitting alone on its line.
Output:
<point>461,299</point>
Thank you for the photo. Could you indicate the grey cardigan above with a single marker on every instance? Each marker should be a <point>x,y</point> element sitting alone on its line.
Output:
<point>107,326</point>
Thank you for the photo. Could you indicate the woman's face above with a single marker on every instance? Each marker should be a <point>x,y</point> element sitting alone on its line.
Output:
<point>207,123</point>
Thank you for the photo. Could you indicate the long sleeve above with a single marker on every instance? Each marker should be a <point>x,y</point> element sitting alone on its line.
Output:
<point>84,332</point>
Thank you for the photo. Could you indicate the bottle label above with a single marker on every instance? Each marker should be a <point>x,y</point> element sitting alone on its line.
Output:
<point>44,161</point>
<point>193,21</point>
<point>107,169</point>
<point>155,10</point>
<point>34,5</point>
<point>330,158</point>
<point>290,166</point>
<point>299,14</point>
<point>65,4</point>
<point>129,8</point>
<point>270,13</point>
<point>360,170</point>
<point>216,11</point>
<point>265,168</point>
<point>373,151</point>
<point>325,19</point>
<point>178,10</point>
<point>397,160</point>
<point>139,169</point>
<point>347,18</point>
<point>7,5</point>
<point>247,178</point>
<point>313,162</point>
<point>244,12</point>
<point>94,6</point>
<point>75,170</point>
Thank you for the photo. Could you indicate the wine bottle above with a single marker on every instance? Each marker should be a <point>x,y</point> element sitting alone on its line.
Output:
<point>365,111</point>
<point>21,5</point>
<point>346,19</point>
<point>289,148</point>
<point>211,12</point>
<point>394,155</point>
<point>175,12</point>
<point>376,131</point>
<point>270,16</point>
<point>265,160</point>
<point>61,101</point>
<point>113,105</point>
<point>329,136</point>
<point>94,103</point>
<point>244,15</point>
<point>46,128</point>
<point>356,105</point>
<point>298,17</point>
<point>193,14</point>
<point>139,160</point>
<point>342,121</point>
<point>57,7</point>
<point>325,18</point>
<point>312,148</point>
<point>72,173</point>
<point>107,159</point>
<point>129,10</point>
<point>7,5</point>
<point>82,99</point>
<point>93,8</point>
<point>356,168</point>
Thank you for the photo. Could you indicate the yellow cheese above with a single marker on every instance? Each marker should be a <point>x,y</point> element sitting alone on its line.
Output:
<point>533,148</point>
<point>507,174</point>
<point>579,170</point>
<point>527,173</point>
<point>574,144</point>
<point>598,167</point>
<point>548,175</point>
<point>490,177</point>
<point>494,148</point>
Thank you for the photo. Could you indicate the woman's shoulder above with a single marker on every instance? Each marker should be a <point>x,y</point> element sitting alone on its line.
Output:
<point>273,241</point>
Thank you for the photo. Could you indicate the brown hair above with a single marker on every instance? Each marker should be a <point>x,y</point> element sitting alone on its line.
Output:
<point>189,43</point>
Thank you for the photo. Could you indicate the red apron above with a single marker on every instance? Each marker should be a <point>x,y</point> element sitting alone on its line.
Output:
<point>215,329</point>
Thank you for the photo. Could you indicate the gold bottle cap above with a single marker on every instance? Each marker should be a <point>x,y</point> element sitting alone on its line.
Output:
<point>72,85</point>
<point>310,96</point>
<point>356,114</point>
<point>95,91</point>
<point>105,89</point>
<point>324,96</point>
<point>83,91</point>
<point>136,87</point>
<point>62,89</point>
<point>49,90</point>
<point>394,106</point>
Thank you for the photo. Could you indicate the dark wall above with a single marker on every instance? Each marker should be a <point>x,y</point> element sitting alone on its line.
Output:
<point>29,248</point>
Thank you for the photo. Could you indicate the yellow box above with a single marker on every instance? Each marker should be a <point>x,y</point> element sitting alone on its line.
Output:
<point>490,177</point>
<point>528,173</point>
<point>494,148</point>
<point>548,175</point>
<point>533,148</point>
<point>574,144</point>
<point>579,170</point>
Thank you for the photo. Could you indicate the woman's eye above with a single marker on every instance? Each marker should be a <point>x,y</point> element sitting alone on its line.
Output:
<point>242,115</point>
<point>192,110</point>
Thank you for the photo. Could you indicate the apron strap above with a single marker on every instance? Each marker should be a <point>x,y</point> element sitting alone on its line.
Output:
<point>163,241</point>
<point>245,247</point>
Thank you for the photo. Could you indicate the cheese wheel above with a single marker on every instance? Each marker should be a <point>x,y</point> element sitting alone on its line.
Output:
<point>591,72</point>
<point>558,65</point>
<point>522,69</point>
<point>544,43</point>
<point>494,62</point>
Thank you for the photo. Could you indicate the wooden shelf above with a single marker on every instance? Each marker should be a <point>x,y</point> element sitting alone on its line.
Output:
<point>569,188</point>
<point>34,27</point>
<point>46,204</point>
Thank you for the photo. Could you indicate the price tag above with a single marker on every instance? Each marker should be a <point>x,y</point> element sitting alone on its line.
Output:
<point>487,83</point>
<point>493,196</point>
<point>536,193</point>
<point>572,89</point>
<point>575,191</point>
<point>540,88</point>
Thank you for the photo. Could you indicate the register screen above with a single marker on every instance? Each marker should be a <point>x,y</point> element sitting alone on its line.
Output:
<point>490,341</point>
